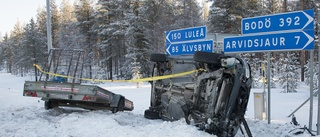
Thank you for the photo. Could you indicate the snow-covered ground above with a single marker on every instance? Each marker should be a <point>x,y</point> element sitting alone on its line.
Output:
<point>26,117</point>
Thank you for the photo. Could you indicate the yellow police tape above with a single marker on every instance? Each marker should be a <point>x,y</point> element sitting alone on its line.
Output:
<point>132,80</point>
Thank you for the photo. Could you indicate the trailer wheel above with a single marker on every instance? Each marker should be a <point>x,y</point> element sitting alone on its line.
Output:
<point>149,114</point>
<point>48,105</point>
<point>120,106</point>
<point>114,110</point>
<point>157,57</point>
<point>207,57</point>
<point>189,119</point>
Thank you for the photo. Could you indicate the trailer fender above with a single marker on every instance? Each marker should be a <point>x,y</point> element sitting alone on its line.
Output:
<point>115,100</point>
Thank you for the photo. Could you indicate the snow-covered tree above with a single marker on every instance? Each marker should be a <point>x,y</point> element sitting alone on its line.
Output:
<point>136,44</point>
<point>274,6</point>
<point>158,18</point>
<point>67,13</point>
<point>101,24</point>
<point>67,29</point>
<point>86,37</point>
<point>42,21</point>
<point>1,36</point>
<point>5,53</point>
<point>254,8</point>
<point>187,14</point>
<point>55,24</point>
<point>111,29</point>
<point>34,47</point>
<point>307,75</point>
<point>289,72</point>
<point>2,45</point>
<point>16,53</point>
<point>225,16</point>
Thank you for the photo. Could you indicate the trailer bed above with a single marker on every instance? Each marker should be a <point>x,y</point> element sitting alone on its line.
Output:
<point>76,95</point>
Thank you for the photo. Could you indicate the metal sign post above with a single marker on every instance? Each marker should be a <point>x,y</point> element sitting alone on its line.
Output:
<point>311,89</point>
<point>269,91</point>
<point>318,127</point>
<point>49,37</point>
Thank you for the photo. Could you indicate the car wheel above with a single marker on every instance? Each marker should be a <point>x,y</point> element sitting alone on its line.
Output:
<point>189,119</point>
<point>207,57</point>
<point>48,105</point>
<point>156,57</point>
<point>149,114</point>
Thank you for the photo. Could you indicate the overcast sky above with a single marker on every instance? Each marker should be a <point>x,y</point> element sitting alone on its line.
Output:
<point>23,10</point>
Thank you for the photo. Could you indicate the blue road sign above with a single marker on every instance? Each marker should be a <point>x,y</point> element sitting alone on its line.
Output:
<point>303,40</point>
<point>189,47</point>
<point>302,20</point>
<point>186,34</point>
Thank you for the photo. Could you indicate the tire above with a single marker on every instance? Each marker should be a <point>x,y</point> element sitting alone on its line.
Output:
<point>120,106</point>
<point>149,114</point>
<point>114,110</point>
<point>207,57</point>
<point>188,118</point>
<point>50,104</point>
<point>156,57</point>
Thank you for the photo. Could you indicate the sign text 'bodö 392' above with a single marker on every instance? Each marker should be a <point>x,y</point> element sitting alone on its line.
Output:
<point>277,32</point>
<point>297,20</point>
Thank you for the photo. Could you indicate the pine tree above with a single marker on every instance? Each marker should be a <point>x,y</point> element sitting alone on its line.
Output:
<point>254,8</point>
<point>0,36</point>
<point>122,29</point>
<point>55,24</point>
<point>67,30</point>
<point>187,14</point>
<point>274,6</point>
<point>86,36</point>
<point>136,44</point>
<point>158,18</point>
<point>225,16</point>
<point>5,53</point>
<point>42,21</point>
<point>111,31</point>
<point>289,73</point>
<point>307,75</point>
<point>16,55</point>
<point>34,46</point>
<point>67,13</point>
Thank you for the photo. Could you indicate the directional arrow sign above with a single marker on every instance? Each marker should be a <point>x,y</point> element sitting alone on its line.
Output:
<point>303,40</point>
<point>302,20</point>
<point>187,34</point>
<point>189,47</point>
